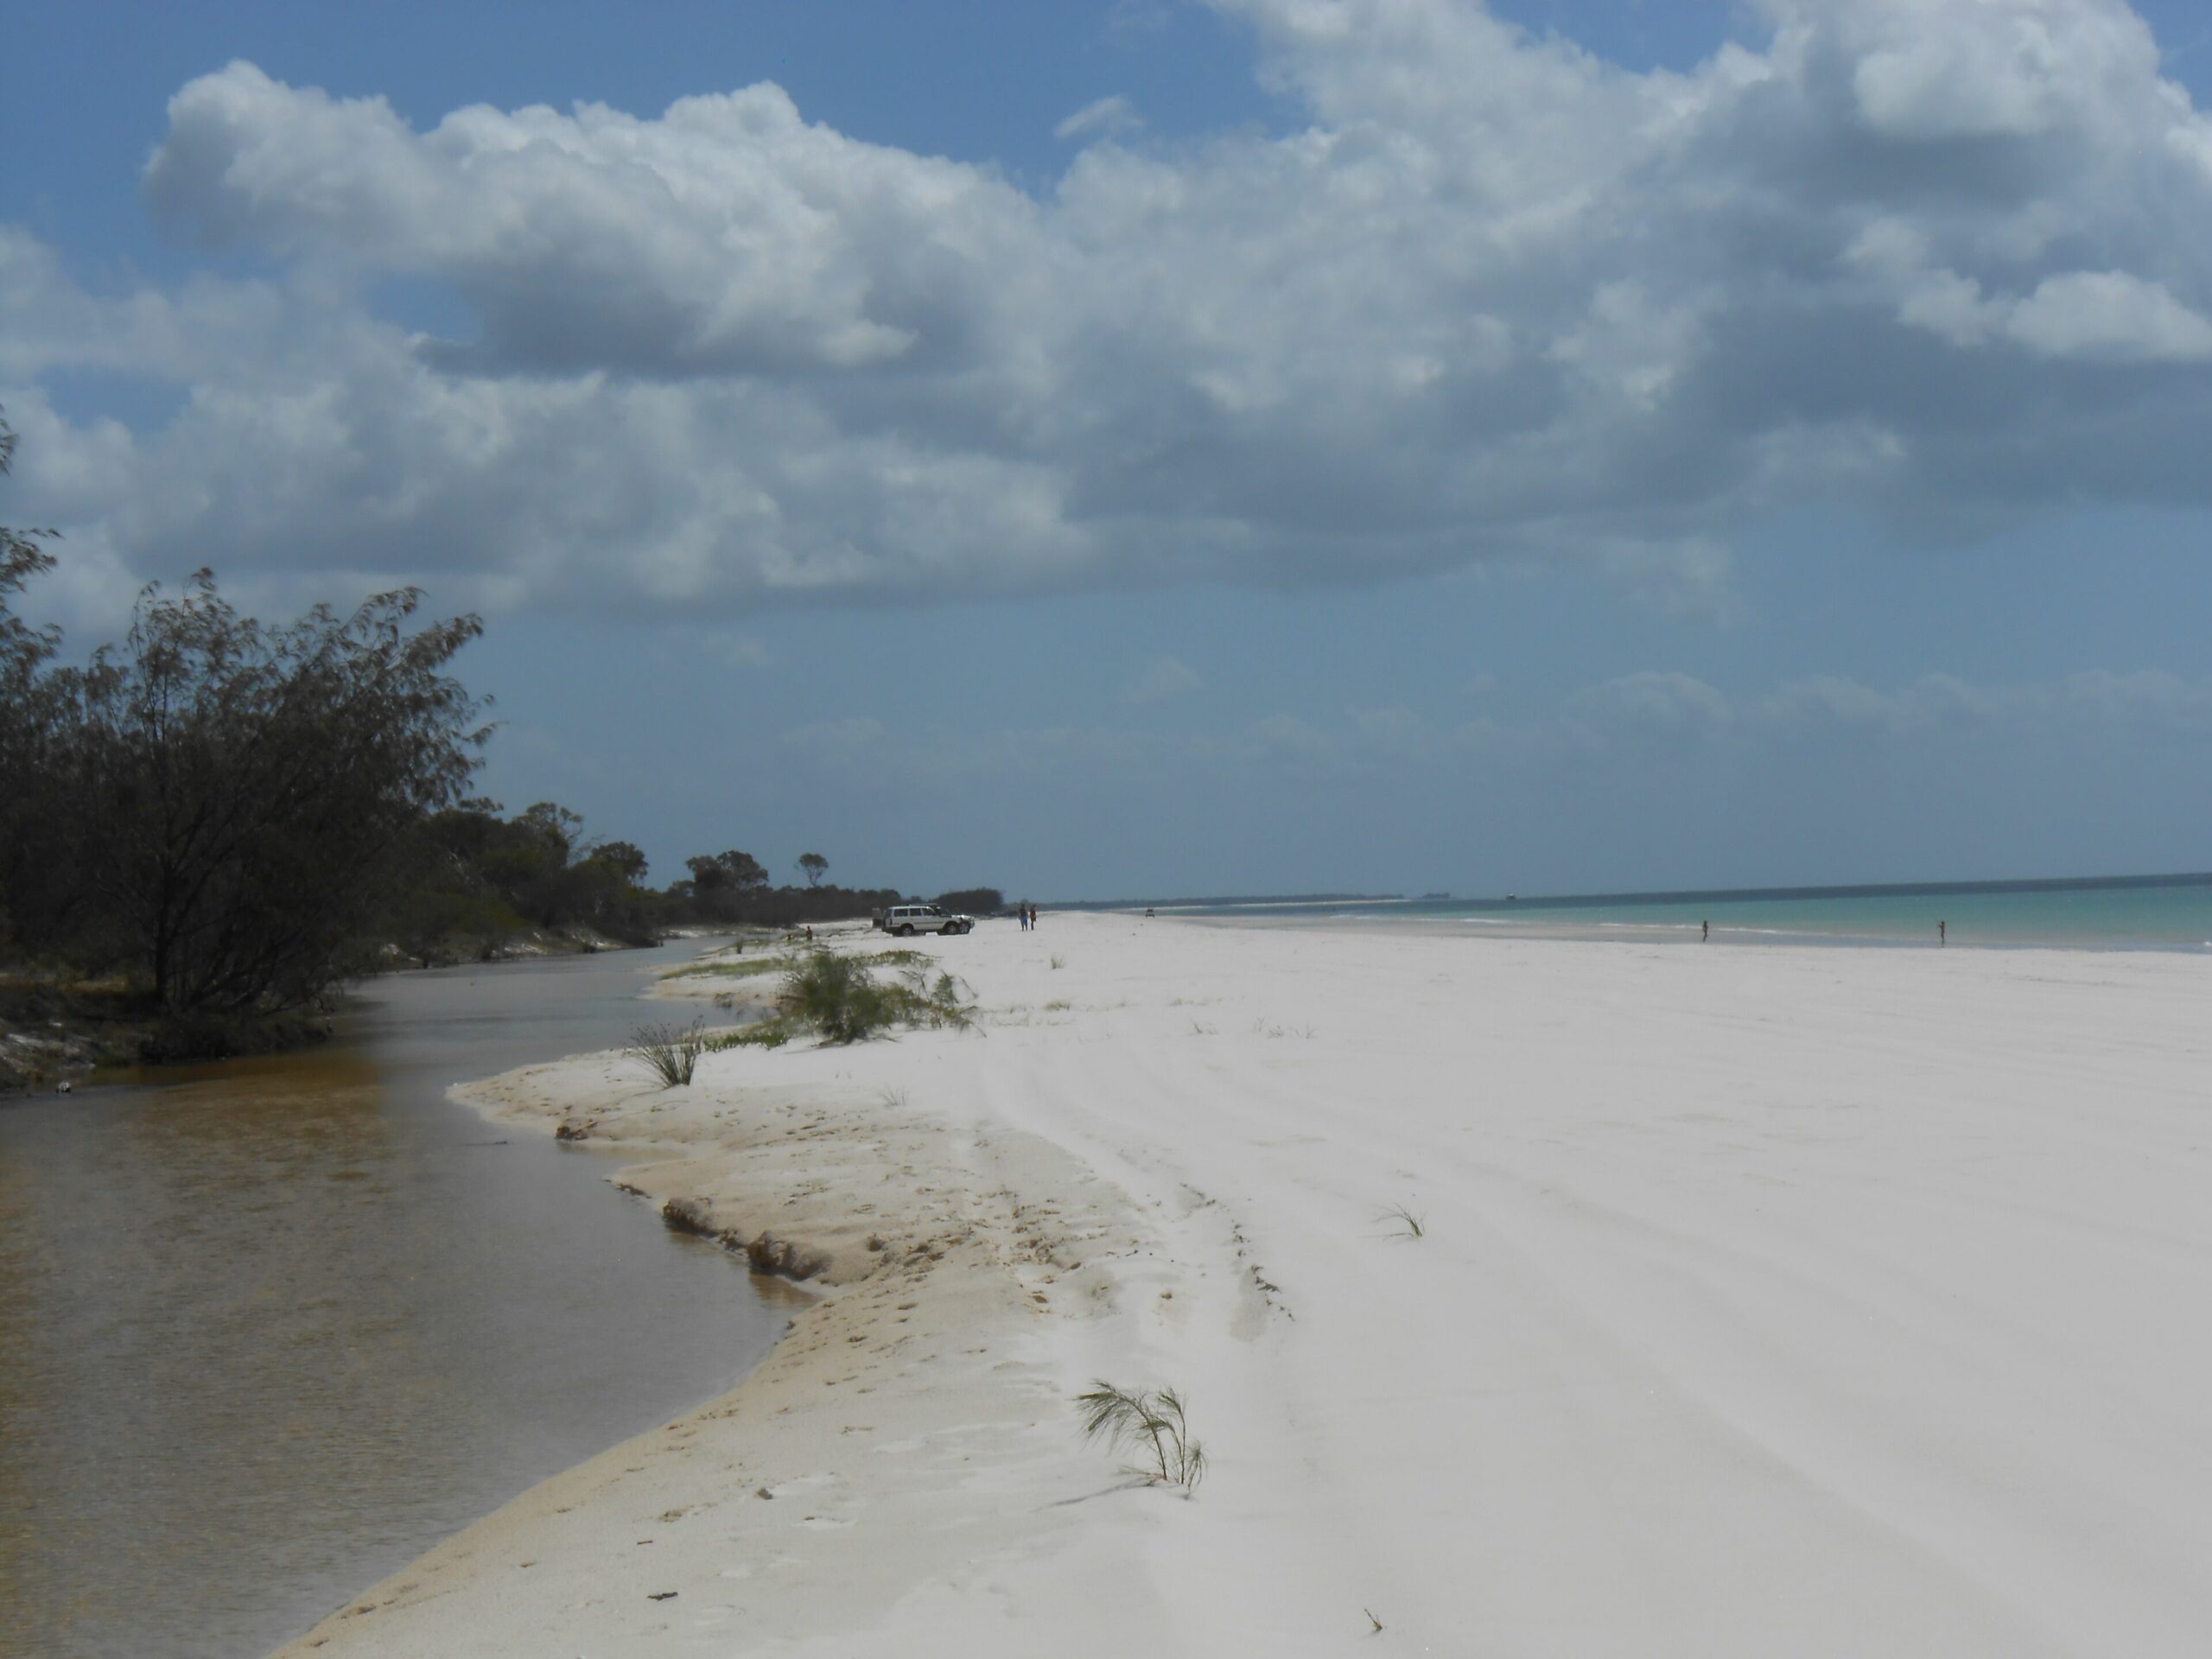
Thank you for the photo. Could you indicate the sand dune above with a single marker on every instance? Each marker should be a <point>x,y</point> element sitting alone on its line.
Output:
<point>1771,1301</point>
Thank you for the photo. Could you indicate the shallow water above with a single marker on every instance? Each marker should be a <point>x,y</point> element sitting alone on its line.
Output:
<point>2170,914</point>
<point>270,1329</point>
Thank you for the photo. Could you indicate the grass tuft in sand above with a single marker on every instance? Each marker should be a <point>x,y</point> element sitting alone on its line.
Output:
<point>1150,1422</point>
<point>669,1051</point>
<point>1406,1222</point>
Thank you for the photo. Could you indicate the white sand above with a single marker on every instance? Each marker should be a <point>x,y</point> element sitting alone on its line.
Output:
<point>1773,1302</point>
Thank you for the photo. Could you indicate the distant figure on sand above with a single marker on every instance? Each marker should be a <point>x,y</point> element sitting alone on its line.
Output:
<point>1705,931</point>
<point>1943,932</point>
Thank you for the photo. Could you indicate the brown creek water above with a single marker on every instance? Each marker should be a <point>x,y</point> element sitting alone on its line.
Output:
<point>270,1329</point>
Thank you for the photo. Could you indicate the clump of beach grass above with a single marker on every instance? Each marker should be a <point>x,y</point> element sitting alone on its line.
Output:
<point>837,997</point>
<point>1058,961</point>
<point>1150,1422</point>
<point>671,1052</point>
<point>773,1032</point>
<point>1406,1222</point>
<point>899,957</point>
<point>742,968</point>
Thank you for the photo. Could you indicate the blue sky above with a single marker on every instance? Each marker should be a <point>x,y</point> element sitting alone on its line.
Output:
<point>1133,448</point>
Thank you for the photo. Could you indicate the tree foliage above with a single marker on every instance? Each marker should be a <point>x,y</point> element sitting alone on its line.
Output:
<point>26,725</point>
<point>625,859</point>
<point>245,788</point>
<point>974,901</point>
<point>730,872</point>
<point>814,867</point>
<point>475,879</point>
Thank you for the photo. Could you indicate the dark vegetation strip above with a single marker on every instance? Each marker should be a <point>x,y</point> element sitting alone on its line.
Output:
<point>208,829</point>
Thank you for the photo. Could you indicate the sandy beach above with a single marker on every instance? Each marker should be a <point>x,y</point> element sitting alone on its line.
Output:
<point>1768,1301</point>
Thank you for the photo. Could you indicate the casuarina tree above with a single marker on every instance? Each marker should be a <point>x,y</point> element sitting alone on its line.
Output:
<point>35,846</point>
<point>245,786</point>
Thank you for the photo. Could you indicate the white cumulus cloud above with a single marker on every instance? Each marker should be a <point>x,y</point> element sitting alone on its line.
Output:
<point>1485,297</point>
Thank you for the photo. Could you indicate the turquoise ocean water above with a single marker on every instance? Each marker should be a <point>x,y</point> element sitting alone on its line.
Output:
<point>2130,913</point>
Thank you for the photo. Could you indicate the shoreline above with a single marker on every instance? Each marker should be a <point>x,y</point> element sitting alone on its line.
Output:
<point>1754,1284</point>
<point>1684,932</point>
<point>959,1272</point>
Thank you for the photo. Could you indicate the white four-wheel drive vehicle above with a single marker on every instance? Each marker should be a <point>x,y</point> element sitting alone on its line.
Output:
<point>910,919</point>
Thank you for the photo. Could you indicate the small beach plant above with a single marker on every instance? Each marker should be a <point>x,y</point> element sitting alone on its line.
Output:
<point>669,1051</point>
<point>1408,1222</point>
<point>1150,1422</point>
<point>773,1032</point>
<point>900,957</point>
<point>746,967</point>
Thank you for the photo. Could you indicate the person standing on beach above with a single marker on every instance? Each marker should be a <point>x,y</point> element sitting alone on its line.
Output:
<point>1705,932</point>
<point>1943,932</point>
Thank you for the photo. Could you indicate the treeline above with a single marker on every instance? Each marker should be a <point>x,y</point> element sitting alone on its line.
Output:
<point>223,819</point>
<point>473,882</point>
<point>731,889</point>
<point>469,883</point>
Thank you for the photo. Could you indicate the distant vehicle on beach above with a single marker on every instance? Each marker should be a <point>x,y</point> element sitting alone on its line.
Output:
<point>906,921</point>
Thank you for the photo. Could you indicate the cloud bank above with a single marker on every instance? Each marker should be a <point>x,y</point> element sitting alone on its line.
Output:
<point>1487,297</point>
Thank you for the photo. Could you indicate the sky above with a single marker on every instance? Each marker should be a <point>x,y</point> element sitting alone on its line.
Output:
<point>1140,447</point>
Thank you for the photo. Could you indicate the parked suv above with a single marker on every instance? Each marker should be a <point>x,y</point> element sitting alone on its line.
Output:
<point>907,920</point>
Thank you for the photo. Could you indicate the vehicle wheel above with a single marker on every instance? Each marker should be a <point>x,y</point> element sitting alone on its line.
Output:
<point>906,931</point>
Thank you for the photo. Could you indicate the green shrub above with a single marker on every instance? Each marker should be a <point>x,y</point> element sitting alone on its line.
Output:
<point>841,1001</point>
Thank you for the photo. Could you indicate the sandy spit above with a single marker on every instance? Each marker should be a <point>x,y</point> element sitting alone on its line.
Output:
<point>1769,1301</point>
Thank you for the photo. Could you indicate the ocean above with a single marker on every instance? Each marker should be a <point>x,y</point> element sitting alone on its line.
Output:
<point>2166,913</point>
